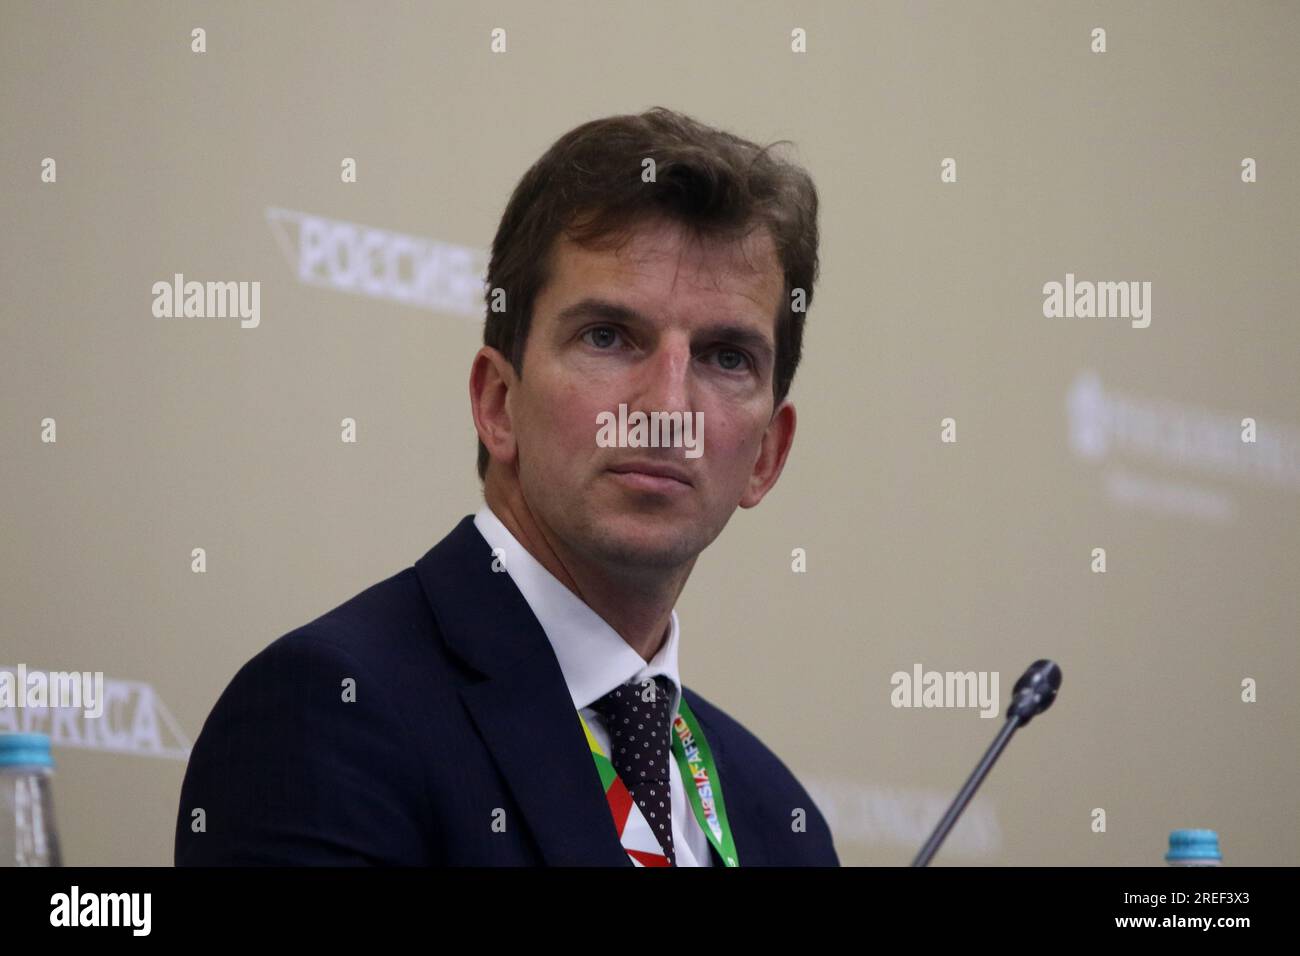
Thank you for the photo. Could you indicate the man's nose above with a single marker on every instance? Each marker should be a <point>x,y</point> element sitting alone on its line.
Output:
<point>664,383</point>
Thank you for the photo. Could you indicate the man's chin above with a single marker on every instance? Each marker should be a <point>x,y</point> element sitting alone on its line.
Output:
<point>647,542</point>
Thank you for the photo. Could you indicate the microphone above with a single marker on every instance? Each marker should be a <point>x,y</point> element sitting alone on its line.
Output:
<point>1032,695</point>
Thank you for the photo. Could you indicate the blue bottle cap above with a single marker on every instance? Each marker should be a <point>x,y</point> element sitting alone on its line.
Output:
<point>1193,845</point>
<point>25,750</point>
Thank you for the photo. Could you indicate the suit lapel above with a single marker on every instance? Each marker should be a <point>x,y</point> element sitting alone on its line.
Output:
<point>522,706</point>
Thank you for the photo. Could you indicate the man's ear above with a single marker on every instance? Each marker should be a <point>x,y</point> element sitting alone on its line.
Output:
<point>491,377</point>
<point>777,440</point>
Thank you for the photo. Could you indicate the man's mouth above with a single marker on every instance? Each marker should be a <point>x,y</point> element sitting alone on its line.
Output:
<point>647,476</point>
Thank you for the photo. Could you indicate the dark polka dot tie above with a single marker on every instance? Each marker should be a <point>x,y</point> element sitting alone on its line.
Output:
<point>640,744</point>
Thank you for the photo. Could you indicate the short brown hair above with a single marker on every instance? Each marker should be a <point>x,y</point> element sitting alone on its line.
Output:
<point>589,186</point>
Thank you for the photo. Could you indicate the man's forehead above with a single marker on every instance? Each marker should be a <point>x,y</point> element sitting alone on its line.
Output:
<point>665,258</point>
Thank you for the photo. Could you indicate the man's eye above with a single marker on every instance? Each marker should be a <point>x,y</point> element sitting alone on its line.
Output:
<point>726,354</point>
<point>606,334</point>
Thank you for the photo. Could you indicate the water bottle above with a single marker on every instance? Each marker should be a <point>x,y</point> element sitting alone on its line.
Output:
<point>27,833</point>
<point>1194,848</point>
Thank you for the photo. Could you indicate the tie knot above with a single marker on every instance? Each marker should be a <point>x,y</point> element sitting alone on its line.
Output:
<point>636,715</point>
<point>638,701</point>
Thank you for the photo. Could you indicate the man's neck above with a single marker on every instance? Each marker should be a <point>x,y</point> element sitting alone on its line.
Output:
<point>641,613</point>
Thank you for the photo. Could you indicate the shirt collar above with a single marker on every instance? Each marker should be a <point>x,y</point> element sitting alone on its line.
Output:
<point>593,658</point>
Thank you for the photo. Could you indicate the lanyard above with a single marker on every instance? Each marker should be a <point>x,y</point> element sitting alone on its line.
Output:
<point>695,760</point>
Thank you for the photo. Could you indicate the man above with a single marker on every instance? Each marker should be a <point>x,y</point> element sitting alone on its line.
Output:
<point>514,698</point>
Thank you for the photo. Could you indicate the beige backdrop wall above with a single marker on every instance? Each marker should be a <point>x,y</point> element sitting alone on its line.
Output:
<point>1129,165</point>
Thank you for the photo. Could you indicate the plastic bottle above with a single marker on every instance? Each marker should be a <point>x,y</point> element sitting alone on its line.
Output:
<point>28,836</point>
<point>1194,848</point>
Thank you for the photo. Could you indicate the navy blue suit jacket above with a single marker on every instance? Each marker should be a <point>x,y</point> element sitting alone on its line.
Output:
<point>461,718</point>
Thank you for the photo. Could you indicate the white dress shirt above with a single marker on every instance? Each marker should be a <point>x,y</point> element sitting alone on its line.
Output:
<point>594,660</point>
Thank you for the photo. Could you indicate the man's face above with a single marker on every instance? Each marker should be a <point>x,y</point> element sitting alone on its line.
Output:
<point>668,323</point>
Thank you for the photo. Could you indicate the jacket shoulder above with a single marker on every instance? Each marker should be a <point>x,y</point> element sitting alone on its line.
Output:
<point>369,621</point>
<point>303,759</point>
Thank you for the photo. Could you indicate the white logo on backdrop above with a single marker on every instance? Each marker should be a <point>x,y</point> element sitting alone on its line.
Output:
<point>132,720</point>
<point>363,260</point>
<point>1104,423</point>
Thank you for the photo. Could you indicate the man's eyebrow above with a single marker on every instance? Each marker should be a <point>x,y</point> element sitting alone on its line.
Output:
<point>600,309</point>
<point>607,311</point>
